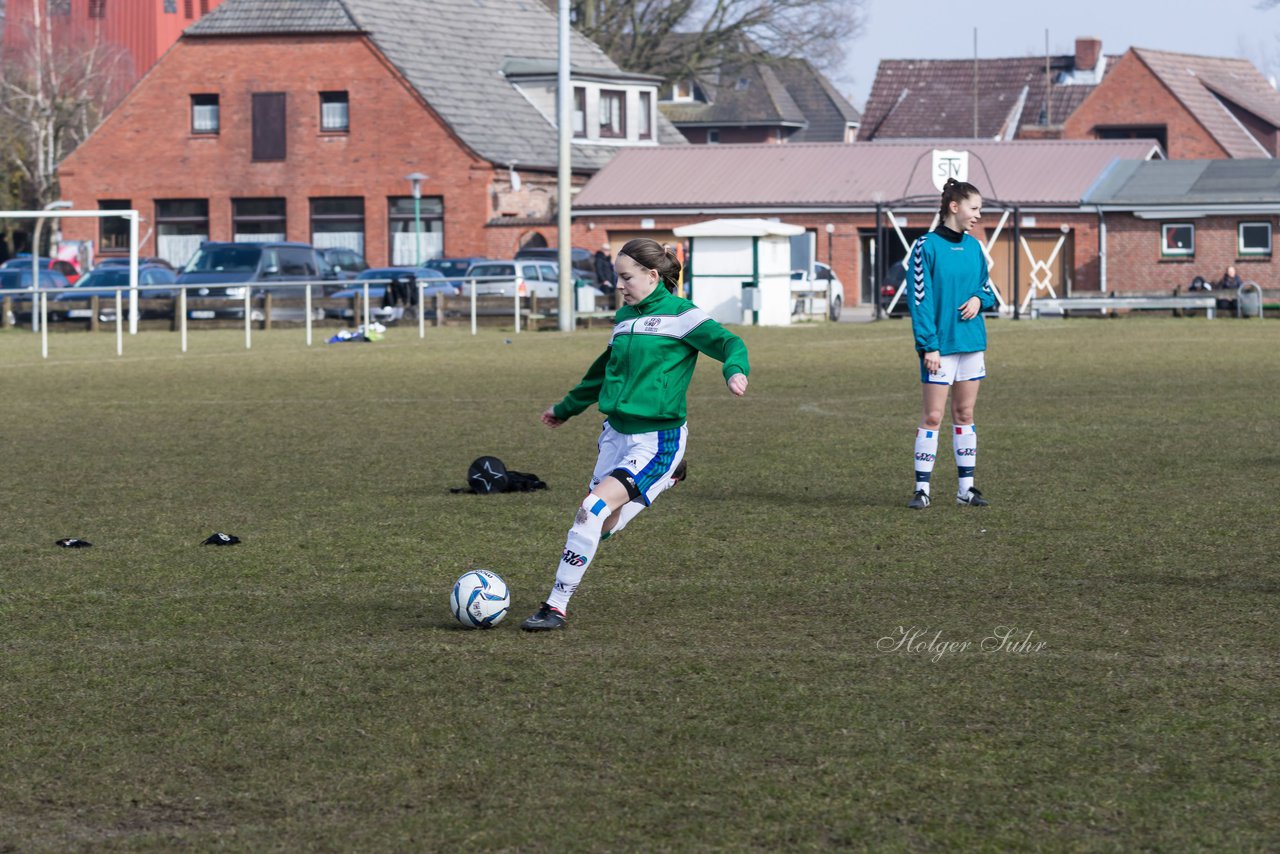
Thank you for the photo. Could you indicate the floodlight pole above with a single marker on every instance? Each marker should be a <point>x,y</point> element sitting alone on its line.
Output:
<point>564,93</point>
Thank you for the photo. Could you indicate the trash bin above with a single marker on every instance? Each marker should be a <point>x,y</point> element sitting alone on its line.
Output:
<point>1249,301</point>
<point>584,296</point>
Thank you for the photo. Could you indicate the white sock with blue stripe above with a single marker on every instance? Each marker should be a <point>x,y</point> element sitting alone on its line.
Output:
<point>579,550</point>
<point>926,453</point>
<point>965,443</point>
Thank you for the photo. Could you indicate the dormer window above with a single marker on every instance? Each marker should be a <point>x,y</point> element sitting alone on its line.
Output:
<point>682,90</point>
<point>613,113</point>
<point>644,121</point>
<point>579,111</point>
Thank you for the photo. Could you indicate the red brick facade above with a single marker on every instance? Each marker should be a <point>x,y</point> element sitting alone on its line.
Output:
<point>848,248</point>
<point>1135,262</point>
<point>1132,96</point>
<point>146,149</point>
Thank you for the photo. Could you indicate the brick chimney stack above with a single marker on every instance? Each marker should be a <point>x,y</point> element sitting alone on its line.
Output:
<point>1088,51</point>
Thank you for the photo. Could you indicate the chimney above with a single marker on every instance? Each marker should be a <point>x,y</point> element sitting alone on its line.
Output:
<point>1088,50</point>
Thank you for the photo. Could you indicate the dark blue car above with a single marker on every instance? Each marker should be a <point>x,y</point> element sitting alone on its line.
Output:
<point>407,277</point>
<point>103,282</point>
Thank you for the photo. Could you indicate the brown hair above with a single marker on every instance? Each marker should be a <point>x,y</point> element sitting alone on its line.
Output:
<point>954,191</point>
<point>652,255</point>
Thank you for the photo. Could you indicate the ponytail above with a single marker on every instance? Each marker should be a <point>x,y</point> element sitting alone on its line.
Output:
<point>652,255</point>
<point>954,191</point>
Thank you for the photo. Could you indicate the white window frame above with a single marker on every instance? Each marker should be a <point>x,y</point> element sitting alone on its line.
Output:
<point>1167,251</point>
<point>330,112</point>
<point>1246,251</point>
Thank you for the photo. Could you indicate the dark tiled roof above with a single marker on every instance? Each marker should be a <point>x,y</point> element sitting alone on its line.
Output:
<point>780,92</point>
<point>747,94</point>
<point>1201,83</point>
<point>827,111</point>
<point>1190,183</point>
<point>453,53</point>
<point>255,17</point>
<point>922,98</point>
<point>842,176</point>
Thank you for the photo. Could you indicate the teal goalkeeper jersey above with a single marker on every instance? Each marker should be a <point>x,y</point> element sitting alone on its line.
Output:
<point>640,380</point>
<point>945,273</point>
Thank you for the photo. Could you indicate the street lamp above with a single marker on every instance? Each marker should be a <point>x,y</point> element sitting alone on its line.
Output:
<point>58,205</point>
<point>415,180</point>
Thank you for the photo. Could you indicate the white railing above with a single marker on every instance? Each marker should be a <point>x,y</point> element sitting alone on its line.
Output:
<point>126,301</point>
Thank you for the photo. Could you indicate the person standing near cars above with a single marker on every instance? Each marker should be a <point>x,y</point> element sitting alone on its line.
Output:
<point>639,383</point>
<point>950,288</point>
<point>606,276</point>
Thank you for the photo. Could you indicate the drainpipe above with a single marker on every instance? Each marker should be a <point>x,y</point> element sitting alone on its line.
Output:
<point>1102,250</point>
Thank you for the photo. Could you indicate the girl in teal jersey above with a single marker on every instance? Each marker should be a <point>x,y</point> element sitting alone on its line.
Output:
<point>639,384</point>
<point>950,289</point>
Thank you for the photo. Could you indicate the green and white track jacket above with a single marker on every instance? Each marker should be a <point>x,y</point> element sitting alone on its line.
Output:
<point>640,380</point>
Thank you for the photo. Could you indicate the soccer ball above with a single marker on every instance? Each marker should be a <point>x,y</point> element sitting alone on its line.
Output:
<point>480,599</point>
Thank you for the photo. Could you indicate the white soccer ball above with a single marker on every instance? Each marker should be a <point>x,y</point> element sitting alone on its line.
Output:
<point>480,599</point>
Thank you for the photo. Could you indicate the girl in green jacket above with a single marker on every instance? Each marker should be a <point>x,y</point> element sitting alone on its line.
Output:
<point>639,384</point>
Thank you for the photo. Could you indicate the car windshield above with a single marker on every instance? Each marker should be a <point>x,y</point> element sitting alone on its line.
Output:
<point>105,278</point>
<point>224,259</point>
<point>492,270</point>
<point>448,268</point>
<point>383,274</point>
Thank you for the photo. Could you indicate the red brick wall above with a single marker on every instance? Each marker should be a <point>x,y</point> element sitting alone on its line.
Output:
<point>145,151</point>
<point>1131,95</point>
<point>846,246</point>
<point>1134,262</point>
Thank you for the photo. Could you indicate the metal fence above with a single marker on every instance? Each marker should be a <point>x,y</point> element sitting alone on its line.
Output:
<point>259,304</point>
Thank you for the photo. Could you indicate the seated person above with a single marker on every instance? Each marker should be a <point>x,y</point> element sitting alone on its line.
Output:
<point>1230,279</point>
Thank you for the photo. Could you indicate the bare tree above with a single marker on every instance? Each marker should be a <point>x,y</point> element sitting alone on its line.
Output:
<point>54,90</point>
<point>686,38</point>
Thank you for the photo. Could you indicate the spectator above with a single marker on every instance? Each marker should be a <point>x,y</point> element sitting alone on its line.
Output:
<point>605,274</point>
<point>1230,279</point>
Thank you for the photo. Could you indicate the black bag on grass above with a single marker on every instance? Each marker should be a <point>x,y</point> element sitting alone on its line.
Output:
<point>488,475</point>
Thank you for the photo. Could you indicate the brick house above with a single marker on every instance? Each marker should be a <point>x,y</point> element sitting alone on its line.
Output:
<point>836,191</point>
<point>776,101</point>
<point>301,119</point>
<point>1196,107</point>
<point>1193,106</point>
<point>1167,222</point>
<point>1025,97</point>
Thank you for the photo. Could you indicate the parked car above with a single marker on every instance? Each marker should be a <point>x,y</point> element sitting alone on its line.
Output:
<point>453,268</point>
<point>224,270</point>
<point>18,279</point>
<point>115,261</point>
<point>407,277</point>
<point>528,276</point>
<point>821,295</point>
<point>582,260</point>
<point>893,279</point>
<point>103,282</point>
<point>66,268</point>
<point>345,263</point>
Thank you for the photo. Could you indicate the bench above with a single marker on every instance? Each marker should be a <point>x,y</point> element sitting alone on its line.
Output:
<point>1065,305</point>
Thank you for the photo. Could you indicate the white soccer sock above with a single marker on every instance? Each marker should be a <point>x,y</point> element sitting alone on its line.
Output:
<point>926,453</point>
<point>579,549</point>
<point>965,443</point>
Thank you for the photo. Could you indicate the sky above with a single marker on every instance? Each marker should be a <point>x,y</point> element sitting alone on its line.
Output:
<point>931,29</point>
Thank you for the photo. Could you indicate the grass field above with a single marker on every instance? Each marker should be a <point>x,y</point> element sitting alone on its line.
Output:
<point>731,678</point>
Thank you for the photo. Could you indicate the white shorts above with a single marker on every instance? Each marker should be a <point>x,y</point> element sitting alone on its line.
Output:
<point>956,368</point>
<point>648,458</point>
